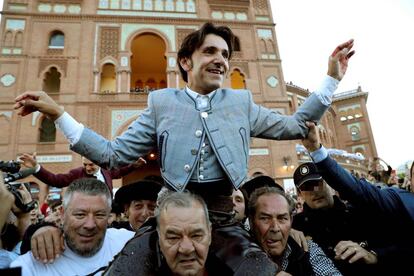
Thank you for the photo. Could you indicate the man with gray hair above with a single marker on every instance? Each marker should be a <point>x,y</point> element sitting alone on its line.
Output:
<point>184,232</point>
<point>270,217</point>
<point>182,236</point>
<point>89,245</point>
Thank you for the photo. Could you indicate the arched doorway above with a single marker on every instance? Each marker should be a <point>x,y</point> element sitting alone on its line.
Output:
<point>237,80</point>
<point>108,78</point>
<point>51,81</point>
<point>148,62</point>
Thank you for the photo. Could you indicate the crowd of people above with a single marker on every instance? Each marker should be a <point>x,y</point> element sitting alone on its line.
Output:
<point>205,215</point>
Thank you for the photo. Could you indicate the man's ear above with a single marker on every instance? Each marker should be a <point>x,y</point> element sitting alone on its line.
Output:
<point>186,64</point>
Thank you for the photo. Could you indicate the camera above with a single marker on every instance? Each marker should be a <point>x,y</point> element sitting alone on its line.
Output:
<point>11,171</point>
<point>18,200</point>
<point>9,166</point>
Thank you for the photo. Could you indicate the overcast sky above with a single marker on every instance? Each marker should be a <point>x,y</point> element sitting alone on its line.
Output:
<point>308,31</point>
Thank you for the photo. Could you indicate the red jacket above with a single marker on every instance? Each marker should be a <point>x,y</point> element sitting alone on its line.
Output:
<point>64,179</point>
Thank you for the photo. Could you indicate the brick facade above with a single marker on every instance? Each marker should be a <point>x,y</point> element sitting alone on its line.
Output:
<point>98,40</point>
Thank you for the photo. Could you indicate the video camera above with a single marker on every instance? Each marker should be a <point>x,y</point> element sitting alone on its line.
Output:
<point>9,166</point>
<point>11,172</point>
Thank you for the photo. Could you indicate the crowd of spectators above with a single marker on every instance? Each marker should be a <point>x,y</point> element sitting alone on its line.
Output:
<point>326,229</point>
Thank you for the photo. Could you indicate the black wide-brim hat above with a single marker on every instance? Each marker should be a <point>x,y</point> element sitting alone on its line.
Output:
<point>258,182</point>
<point>140,190</point>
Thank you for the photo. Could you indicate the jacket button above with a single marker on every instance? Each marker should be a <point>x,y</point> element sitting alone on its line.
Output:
<point>187,167</point>
<point>201,169</point>
<point>201,177</point>
<point>194,151</point>
<point>179,186</point>
<point>204,114</point>
<point>198,133</point>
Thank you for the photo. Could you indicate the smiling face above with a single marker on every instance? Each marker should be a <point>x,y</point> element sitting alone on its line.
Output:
<point>85,221</point>
<point>208,65</point>
<point>272,223</point>
<point>138,211</point>
<point>317,194</point>
<point>184,239</point>
<point>90,167</point>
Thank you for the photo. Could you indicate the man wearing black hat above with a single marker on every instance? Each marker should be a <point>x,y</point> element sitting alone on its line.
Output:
<point>138,201</point>
<point>331,223</point>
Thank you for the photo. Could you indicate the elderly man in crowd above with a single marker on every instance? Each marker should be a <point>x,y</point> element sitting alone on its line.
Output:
<point>184,232</point>
<point>89,245</point>
<point>270,217</point>
<point>138,201</point>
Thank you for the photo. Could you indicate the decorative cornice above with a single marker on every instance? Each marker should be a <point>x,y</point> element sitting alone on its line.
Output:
<point>137,19</point>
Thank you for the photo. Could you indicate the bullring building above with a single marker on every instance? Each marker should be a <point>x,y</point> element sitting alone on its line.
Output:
<point>99,59</point>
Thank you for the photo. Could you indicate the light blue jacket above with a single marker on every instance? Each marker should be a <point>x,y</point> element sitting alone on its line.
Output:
<point>172,124</point>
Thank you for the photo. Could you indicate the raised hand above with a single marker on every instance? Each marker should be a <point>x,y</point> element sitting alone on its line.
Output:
<point>338,61</point>
<point>300,238</point>
<point>28,160</point>
<point>31,101</point>
<point>139,163</point>
<point>312,141</point>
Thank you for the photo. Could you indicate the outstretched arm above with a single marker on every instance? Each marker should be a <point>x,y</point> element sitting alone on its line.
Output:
<point>31,101</point>
<point>268,124</point>
<point>357,191</point>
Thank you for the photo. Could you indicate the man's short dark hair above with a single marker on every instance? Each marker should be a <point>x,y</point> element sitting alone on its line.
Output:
<point>267,191</point>
<point>194,40</point>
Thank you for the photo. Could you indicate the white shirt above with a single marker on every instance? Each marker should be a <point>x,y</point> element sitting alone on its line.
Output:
<point>99,175</point>
<point>201,100</point>
<point>72,129</point>
<point>70,264</point>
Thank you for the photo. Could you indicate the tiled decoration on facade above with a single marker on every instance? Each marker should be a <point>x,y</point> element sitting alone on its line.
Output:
<point>13,37</point>
<point>266,44</point>
<point>7,80</point>
<point>120,117</point>
<point>109,42</point>
<point>153,8</point>
<point>59,8</point>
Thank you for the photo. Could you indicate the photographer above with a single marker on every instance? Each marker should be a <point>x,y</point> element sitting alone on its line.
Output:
<point>13,220</point>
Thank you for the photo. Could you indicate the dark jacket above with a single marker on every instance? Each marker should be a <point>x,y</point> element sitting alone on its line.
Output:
<point>299,263</point>
<point>329,226</point>
<point>391,214</point>
<point>122,224</point>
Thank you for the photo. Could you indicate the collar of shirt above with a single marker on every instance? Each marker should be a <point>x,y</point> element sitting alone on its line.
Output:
<point>201,100</point>
<point>99,175</point>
